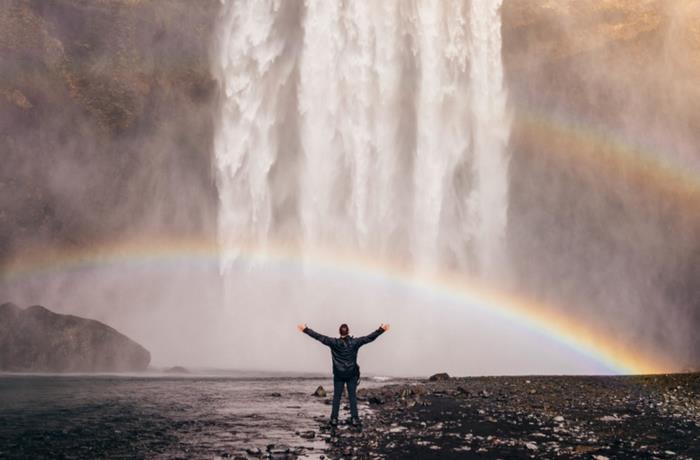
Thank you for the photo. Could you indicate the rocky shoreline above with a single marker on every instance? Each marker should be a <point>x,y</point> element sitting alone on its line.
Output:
<point>527,417</point>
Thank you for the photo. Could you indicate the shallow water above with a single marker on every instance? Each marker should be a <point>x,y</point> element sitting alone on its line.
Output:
<point>157,417</point>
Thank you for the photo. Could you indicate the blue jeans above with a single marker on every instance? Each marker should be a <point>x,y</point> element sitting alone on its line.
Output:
<point>338,384</point>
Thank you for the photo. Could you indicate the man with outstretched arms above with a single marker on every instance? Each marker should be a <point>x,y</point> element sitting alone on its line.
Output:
<point>346,372</point>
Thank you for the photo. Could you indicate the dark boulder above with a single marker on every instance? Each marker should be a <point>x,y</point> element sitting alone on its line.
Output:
<point>176,370</point>
<point>439,377</point>
<point>320,392</point>
<point>38,340</point>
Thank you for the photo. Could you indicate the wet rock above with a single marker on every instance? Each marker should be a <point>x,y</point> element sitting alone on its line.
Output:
<point>275,394</point>
<point>462,391</point>
<point>278,451</point>
<point>440,377</point>
<point>320,392</point>
<point>176,370</point>
<point>308,434</point>
<point>378,400</point>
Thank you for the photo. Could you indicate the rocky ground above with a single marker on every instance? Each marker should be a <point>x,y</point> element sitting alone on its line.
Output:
<point>528,417</point>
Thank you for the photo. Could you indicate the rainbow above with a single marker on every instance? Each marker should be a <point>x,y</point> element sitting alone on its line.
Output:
<point>605,153</point>
<point>550,322</point>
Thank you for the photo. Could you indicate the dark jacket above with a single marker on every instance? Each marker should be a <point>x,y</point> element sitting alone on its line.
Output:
<point>344,351</point>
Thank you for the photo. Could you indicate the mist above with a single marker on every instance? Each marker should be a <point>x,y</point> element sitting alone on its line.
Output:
<point>114,127</point>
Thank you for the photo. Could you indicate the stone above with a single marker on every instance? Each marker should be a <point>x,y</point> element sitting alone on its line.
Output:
<point>531,446</point>
<point>440,377</point>
<point>176,370</point>
<point>320,392</point>
<point>463,391</point>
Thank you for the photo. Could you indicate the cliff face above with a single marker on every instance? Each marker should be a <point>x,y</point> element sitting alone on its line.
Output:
<point>106,118</point>
<point>633,65</point>
<point>38,340</point>
<point>605,163</point>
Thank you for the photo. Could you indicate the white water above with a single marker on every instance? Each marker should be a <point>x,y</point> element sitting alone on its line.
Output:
<point>364,125</point>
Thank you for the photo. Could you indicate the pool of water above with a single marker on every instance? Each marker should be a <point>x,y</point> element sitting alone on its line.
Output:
<point>111,416</point>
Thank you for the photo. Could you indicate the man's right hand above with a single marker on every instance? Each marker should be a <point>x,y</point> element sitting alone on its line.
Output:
<point>301,327</point>
<point>385,327</point>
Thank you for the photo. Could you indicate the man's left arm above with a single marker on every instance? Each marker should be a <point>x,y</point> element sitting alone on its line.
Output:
<point>369,338</point>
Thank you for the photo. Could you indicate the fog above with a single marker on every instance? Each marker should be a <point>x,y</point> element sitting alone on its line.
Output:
<point>121,125</point>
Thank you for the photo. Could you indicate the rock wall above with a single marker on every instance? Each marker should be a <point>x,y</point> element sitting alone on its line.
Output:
<point>106,119</point>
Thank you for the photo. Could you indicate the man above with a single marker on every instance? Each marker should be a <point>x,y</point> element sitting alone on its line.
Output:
<point>346,372</point>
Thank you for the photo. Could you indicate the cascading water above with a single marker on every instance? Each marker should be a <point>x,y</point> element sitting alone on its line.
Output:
<point>375,128</point>
<point>371,126</point>
<point>491,127</point>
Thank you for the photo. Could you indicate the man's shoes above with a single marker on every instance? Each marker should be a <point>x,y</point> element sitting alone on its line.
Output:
<point>334,422</point>
<point>355,422</point>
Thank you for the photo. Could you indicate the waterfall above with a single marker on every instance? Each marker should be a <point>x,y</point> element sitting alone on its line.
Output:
<point>372,126</point>
<point>491,127</point>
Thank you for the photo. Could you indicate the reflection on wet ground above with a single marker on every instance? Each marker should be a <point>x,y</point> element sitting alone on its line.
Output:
<point>144,417</point>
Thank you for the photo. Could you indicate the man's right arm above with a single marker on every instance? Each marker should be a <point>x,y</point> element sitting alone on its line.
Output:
<point>324,339</point>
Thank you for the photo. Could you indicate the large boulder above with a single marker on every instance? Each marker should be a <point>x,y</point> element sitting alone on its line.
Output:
<point>440,377</point>
<point>176,370</point>
<point>36,339</point>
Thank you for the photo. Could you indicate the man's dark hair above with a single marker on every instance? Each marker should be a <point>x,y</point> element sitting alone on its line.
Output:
<point>344,329</point>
